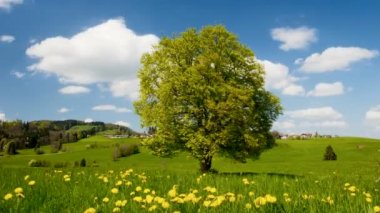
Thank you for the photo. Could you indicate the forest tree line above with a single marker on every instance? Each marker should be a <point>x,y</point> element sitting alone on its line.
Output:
<point>21,135</point>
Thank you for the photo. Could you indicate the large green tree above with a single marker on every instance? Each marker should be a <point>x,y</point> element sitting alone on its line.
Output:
<point>203,91</point>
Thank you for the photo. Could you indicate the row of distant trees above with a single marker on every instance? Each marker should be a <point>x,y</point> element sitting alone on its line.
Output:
<point>21,135</point>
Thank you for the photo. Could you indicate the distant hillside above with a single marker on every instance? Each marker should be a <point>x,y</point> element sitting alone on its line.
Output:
<point>44,132</point>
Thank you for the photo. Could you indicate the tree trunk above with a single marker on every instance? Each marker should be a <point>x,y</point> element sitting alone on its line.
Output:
<point>205,164</point>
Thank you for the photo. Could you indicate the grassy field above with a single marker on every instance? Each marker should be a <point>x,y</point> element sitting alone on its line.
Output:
<point>292,177</point>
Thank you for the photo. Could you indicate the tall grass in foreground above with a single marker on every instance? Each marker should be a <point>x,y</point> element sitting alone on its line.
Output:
<point>78,190</point>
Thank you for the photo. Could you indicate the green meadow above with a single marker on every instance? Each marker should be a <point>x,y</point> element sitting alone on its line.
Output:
<point>291,177</point>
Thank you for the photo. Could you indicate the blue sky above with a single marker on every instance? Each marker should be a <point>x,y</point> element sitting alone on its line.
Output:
<point>79,60</point>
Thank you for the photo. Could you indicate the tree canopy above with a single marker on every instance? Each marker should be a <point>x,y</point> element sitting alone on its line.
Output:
<point>203,91</point>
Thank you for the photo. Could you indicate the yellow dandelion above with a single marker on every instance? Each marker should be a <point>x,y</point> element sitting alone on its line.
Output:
<point>90,210</point>
<point>116,209</point>
<point>138,188</point>
<point>352,188</point>
<point>128,183</point>
<point>115,190</point>
<point>232,199</point>
<point>270,199</point>
<point>172,192</point>
<point>206,203</point>
<point>146,191</point>
<point>251,194</point>
<point>32,183</point>
<point>137,199</point>
<point>248,206</point>
<point>165,205</point>
<point>8,196</point>
<point>26,177</point>
<point>118,183</point>
<point>19,190</point>
<point>176,212</point>
<point>120,203</point>
<point>105,180</point>
<point>376,209</point>
<point>149,198</point>
<point>152,208</point>
<point>260,201</point>
<point>106,200</point>
<point>368,199</point>
<point>353,194</point>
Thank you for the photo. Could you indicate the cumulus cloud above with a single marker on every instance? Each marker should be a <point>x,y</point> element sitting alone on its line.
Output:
<point>122,123</point>
<point>335,58</point>
<point>106,53</point>
<point>327,89</point>
<point>63,110</point>
<point>277,76</point>
<point>70,90</point>
<point>2,116</point>
<point>372,117</point>
<point>294,38</point>
<point>315,114</point>
<point>109,107</point>
<point>18,74</point>
<point>284,124</point>
<point>88,120</point>
<point>128,88</point>
<point>324,119</point>
<point>7,4</point>
<point>7,38</point>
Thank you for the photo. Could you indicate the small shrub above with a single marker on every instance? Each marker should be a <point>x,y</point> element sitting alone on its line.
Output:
<point>38,163</point>
<point>83,163</point>
<point>92,146</point>
<point>61,164</point>
<point>125,150</point>
<point>10,148</point>
<point>39,151</point>
<point>56,146</point>
<point>329,154</point>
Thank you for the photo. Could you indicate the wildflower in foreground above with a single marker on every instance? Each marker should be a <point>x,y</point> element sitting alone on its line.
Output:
<point>8,196</point>
<point>248,206</point>
<point>165,205</point>
<point>173,192</point>
<point>19,190</point>
<point>32,183</point>
<point>106,200</point>
<point>376,209</point>
<point>90,210</point>
<point>114,190</point>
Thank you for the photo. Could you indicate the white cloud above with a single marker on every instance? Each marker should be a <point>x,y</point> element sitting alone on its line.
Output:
<point>277,76</point>
<point>63,110</point>
<point>122,123</point>
<point>88,120</point>
<point>323,119</point>
<point>293,89</point>
<point>106,53</point>
<point>335,58</point>
<point>294,38</point>
<point>284,124</point>
<point>18,74</point>
<point>315,114</point>
<point>2,116</point>
<point>372,117</point>
<point>327,89</point>
<point>7,4</point>
<point>128,88</point>
<point>108,107</point>
<point>7,38</point>
<point>70,90</point>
